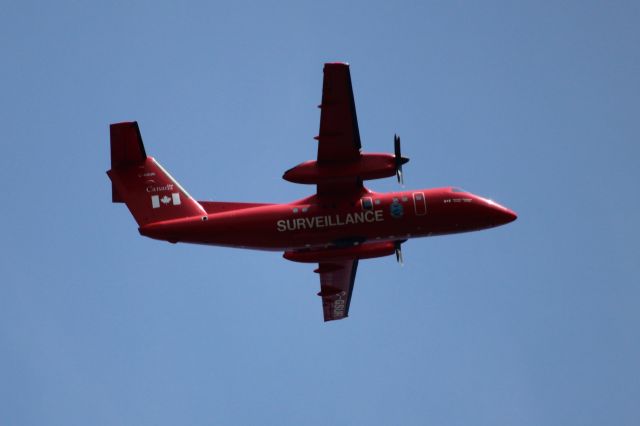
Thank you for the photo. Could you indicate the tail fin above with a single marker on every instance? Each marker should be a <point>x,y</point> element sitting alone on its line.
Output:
<point>139,181</point>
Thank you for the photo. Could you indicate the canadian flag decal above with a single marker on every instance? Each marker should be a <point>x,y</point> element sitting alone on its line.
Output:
<point>156,201</point>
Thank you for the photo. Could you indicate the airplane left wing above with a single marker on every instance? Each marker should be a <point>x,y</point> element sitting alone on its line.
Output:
<point>336,286</point>
<point>337,268</point>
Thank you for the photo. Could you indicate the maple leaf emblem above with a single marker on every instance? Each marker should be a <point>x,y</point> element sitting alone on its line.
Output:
<point>165,199</point>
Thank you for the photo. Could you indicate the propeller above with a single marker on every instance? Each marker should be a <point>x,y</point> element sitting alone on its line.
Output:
<point>399,253</point>
<point>400,160</point>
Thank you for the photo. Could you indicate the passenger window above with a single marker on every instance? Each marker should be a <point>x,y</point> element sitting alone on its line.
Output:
<point>367,204</point>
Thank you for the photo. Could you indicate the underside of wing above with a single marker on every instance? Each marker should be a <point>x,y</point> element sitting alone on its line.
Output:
<point>337,268</point>
<point>341,167</point>
<point>339,137</point>
<point>336,287</point>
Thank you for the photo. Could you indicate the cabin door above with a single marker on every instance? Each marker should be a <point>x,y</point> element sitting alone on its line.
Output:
<point>419,203</point>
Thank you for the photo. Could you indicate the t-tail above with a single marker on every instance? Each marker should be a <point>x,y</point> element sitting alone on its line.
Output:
<point>148,190</point>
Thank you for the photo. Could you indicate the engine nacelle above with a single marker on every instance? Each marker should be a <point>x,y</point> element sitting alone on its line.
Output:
<point>368,166</point>
<point>364,251</point>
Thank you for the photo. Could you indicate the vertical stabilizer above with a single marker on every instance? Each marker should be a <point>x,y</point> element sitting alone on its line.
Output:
<point>139,181</point>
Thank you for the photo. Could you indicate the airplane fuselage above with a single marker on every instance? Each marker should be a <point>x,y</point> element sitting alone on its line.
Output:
<point>337,227</point>
<point>313,223</point>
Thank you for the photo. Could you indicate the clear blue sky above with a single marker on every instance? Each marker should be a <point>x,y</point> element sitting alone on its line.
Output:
<point>535,104</point>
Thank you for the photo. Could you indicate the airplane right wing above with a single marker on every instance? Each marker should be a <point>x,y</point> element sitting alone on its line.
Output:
<point>341,166</point>
<point>339,137</point>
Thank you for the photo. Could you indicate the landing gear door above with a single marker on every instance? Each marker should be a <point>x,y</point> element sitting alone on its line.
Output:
<point>419,203</point>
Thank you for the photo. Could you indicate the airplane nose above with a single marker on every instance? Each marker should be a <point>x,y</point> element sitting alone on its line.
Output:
<point>509,215</point>
<point>500,215</point>
<point>503,215</point>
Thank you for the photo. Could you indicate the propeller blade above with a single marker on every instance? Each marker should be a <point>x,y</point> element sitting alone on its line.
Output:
<point>399,254</point>
<point>400,160</point>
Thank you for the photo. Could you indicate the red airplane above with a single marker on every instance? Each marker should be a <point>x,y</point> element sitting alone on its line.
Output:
<point>340,224</point>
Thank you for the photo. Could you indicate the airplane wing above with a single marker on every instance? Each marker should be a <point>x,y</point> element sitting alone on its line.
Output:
<point>336,286</point>
<point>338,144</point>
<point>339,137</point>
<point>337,268</point>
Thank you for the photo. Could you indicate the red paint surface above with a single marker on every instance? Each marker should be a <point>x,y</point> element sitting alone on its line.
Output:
<point>341,224</point>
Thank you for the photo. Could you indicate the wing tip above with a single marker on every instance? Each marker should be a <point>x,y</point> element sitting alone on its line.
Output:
<point>327,319</point>
<point>336,64</point>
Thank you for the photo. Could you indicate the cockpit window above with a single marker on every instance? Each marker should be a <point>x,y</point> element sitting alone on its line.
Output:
<point>367,203</point>
<point>455,189</point>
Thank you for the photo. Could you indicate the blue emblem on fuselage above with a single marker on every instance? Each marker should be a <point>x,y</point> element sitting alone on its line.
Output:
<point>396,210</point>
